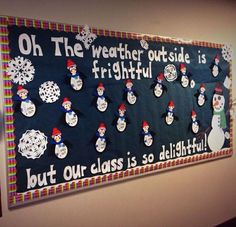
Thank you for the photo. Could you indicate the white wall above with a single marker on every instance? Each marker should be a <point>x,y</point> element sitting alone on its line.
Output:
<point>200,195</point>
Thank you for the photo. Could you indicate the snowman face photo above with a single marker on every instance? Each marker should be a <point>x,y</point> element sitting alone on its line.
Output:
<point>218,102</point>
<point>73,70</point>
<point>158,90</point>
<point>129,85</point>
<point>183,70</point>
<point>100,91</point>
<point>101,131</point>
<point>184,81</point>
<point>67,106</point>
<point>57,138</point>
<point>121,112</point>
<point>145,128</point>
<point>217,61</point>
<point>202,89</point>
<point>23,94</point>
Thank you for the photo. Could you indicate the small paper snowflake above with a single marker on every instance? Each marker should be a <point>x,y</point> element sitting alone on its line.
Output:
<point>32,144</point>
<point>49,92</point>
<point>144,44</point>
<point>20,70</point>
<point>227,52</point>
<point>86,36</point>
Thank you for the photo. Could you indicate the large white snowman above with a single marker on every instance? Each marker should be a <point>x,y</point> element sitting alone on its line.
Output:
<point>217,136</point>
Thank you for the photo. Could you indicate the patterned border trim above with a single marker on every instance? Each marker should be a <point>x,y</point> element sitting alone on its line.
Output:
<point>20,198</point>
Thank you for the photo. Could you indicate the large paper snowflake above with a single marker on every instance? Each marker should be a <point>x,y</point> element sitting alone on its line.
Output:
<point>49,92</point>
<point>20,70</point>
<point>32,144</point>
<point>227,52</point>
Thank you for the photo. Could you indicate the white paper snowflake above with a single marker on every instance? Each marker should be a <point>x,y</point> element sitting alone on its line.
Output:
<point>20,70</point>
<point>49,92</point>
<point>86,36</point>
<point>144,44</point>
<point>32,144</point>
<point>227,52</point>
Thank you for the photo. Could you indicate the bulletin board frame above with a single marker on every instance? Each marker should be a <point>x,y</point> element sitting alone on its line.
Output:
<point>19,198</point>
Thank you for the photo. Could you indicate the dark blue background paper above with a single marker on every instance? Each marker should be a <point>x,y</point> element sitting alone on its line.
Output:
<point>81,147</point>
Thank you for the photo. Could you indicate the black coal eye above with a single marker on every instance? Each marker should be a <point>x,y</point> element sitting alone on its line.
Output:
<point>215,98</point>
<point>219,98</point>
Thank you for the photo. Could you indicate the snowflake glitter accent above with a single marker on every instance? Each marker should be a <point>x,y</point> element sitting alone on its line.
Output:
<point>49,92</point>
<point>20,70</point>
<point>32,144</point>
<point>227,52</point>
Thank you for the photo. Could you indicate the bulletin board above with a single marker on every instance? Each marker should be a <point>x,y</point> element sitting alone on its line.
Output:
<point>84,107</point>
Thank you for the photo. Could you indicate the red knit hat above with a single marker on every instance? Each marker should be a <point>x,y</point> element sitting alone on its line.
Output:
<point>55,132</point>
<point>218,89</point>
<point>100,86</point>
<point>65,101</point>
<point>70,64</point>
<point>122,106</point>
<point>102,125</point>
<point>193,113</point>
<point>217,57</point>
<point>128,81</point>
<point>171,103</point>
<point>144,124</point>
<point>21,89</point>
<point>160,76</point>
<point>181,66</point>
<point>202,85</point>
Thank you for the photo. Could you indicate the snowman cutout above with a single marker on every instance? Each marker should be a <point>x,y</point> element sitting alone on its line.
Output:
<point>131,95</point>
<point>101,143</point>
<point>102,102</point>
<point>71,117</point>
<point>215,68</point>
<point>121,118</point>
<point>61,149</point>
<point>159,87</point>
<point>75,78</point>
<point>201,96</point>
<point>147,135</point>
<point>195,123</point>
<point>184,75</point>
<point>217,136</point>
<point>28,108</point>
<point>169,115</point>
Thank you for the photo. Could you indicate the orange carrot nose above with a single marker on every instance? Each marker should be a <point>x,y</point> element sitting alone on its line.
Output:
<point>216,103</point>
